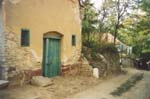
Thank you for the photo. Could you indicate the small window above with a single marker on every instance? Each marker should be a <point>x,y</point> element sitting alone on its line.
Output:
<point>25,37</point>
<point>73,40</point>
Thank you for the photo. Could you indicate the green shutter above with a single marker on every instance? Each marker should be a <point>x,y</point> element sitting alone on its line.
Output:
<point>73,40</point>
<point>25,37</point>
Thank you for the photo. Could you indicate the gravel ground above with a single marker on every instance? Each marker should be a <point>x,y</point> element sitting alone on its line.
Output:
<point>102,91</point>
<point>82,87</point>
<point>60,89</point>
<point>141,90</point>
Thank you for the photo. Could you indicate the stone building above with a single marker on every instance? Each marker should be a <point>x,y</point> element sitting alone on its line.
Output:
<point>39,34</point>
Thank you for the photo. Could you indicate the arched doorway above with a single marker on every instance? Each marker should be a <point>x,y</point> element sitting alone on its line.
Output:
<point>51,53</point>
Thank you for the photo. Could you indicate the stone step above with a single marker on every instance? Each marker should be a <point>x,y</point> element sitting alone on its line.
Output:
<point>3,84</point>
<point>41,81</point>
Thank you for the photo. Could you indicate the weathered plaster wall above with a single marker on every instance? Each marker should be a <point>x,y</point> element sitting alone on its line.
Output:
<point>41,16</point>
<point>1,33</point>
<point>2,42</point>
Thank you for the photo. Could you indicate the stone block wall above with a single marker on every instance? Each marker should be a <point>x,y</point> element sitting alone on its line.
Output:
<point>70,70</point>
<point>81,67</point>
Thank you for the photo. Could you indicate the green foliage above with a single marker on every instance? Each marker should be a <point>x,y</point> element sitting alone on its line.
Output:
<point>146,51</point>
<point>145,55</point>
<point>108,48</point>
<point>136,31</point>
<point>89,20</point>
<point>131,28</point>
<point>145,5</point>
<point>137,50</point>
<point>102,47</point>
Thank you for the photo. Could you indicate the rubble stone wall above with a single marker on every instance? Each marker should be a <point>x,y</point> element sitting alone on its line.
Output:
<point>81,67</point>
<point>17,58</point>
<point>107,62</point>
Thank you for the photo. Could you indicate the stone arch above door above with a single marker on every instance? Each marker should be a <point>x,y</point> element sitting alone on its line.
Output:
<point>53,34</point>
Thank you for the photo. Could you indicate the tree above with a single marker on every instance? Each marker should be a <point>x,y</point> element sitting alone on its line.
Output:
<point>136,31</point>
<point>103,18</point>
<point>144,24</point>
<point>89,20</point>
<point>121,9</point>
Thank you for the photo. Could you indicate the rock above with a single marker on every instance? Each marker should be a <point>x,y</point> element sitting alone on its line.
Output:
<point>102,58</point>
<point>41,81</point>
<point>85,61</point>
<point>3,84</point>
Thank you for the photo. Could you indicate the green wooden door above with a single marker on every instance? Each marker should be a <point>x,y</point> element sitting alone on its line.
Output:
<point>51,57</point>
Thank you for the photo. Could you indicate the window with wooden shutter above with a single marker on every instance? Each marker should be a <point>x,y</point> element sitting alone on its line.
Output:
<point>25,37</point>
<point>73,40</point>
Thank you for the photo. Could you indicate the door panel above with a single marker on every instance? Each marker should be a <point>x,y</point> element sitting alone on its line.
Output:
<point>51,62</point>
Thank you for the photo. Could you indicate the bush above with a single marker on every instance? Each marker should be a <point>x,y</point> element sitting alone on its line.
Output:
<point>137,50</point>
<point>145,55</point>
<point>101,48</point>
<point>91,44</point>
<point>104,56</point>
<point>108,47</point>
<point>91,50</point>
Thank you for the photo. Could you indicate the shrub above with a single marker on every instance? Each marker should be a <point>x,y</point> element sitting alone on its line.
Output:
<point>101,48</point>
<point>108,48</point>
<point>145,55</point>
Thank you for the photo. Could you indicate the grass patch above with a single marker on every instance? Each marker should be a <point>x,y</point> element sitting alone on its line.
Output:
<point>127,85</point>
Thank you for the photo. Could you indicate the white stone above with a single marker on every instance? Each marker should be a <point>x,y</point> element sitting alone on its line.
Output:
<point>96,72</point>
<point>41,81</point>
<point>3,84</point>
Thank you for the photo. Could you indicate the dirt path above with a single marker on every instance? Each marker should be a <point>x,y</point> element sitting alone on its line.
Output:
<point>81,87</point>
<point>141,90</point>
<point>103,90</point>
<point>62,87</point>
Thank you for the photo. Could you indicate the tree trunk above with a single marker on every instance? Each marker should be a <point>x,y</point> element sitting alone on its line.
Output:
<point>88,39</point>
<point>115,33</point>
